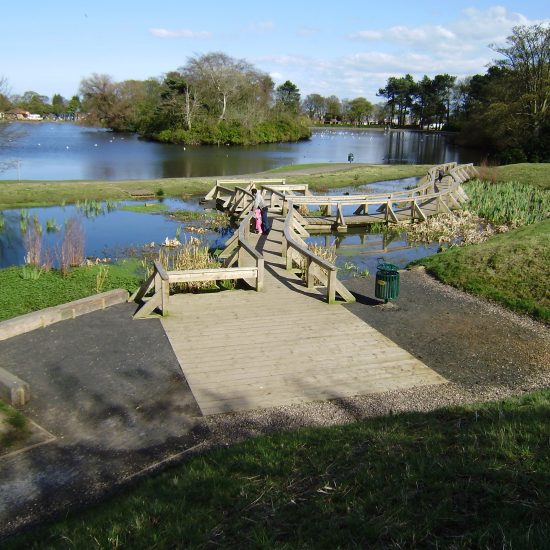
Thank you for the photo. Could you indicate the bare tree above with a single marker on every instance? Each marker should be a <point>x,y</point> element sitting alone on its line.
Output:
<point>98,93</point>
<point>220,79</point>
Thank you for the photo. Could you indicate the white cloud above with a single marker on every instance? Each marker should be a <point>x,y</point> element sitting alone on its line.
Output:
<point>368,35</point>
<point>181,33</point>
<point>308,31</point>
<point>458,47</point>
<point>261,26</point>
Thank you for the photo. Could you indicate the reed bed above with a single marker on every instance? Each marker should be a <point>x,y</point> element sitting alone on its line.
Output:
<point>32,239</point>
<point>71,252</point>
<point>511,203</point>
<point>192,254</point>
<point>455,229</point>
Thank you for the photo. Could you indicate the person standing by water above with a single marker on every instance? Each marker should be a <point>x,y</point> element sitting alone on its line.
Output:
<point>260,203</point>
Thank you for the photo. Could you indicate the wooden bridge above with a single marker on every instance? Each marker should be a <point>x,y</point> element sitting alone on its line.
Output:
<point>282,345</point>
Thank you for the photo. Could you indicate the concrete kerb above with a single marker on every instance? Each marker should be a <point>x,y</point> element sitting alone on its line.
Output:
<point>16,391</point>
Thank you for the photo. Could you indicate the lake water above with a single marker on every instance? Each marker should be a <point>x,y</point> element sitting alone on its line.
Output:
<point>111,232</point>
<point>61,151</point>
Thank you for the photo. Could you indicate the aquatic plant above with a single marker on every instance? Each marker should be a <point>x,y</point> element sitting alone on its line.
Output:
<point>31,272</point>
<point>72,246</point>
<point>510,203</point>
<point>352,270</point>
<point>94,208</point>
<point>32,240</point>
<point>2,222</point>
<point>211,220</point>
<point>101,278</point>
<point>193,254</point>
<point>51,226</point>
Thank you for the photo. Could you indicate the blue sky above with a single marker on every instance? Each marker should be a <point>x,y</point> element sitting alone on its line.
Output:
<point>346,48</point>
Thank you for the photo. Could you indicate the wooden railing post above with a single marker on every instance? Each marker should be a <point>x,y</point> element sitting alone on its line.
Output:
<point>260,277</point>
<point>309,275</point>
<point>331,287</point>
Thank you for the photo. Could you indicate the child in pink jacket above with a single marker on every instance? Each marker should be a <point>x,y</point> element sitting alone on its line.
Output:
<point>258,216</point>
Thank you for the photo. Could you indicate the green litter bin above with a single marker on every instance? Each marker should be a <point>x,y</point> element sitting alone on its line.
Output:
<point>387,282</point>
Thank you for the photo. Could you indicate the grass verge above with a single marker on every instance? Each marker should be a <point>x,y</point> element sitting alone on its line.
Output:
<point>40,193</point>
<point>510,268</point>
<point>23,295</point>
<point>467,477</point>
<point>536,174</point>
<point>13,426</point>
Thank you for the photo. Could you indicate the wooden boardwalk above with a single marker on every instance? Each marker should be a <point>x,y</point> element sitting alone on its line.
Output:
<point>245,350</point>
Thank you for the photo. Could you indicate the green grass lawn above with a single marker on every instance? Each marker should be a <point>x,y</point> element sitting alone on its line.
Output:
<point>20,296</point>
<point>536,174</point>
<point>511,268</point>
<point>468,477</point>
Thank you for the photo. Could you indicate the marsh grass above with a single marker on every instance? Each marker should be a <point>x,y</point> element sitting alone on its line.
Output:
<point>460,477</point>
<point>72,246</point>
<point>510,203</point>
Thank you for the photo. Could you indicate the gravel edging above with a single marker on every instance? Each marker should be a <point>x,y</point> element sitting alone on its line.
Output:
<point>508,375</point>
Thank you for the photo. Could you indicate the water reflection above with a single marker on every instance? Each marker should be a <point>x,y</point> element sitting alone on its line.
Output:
<point>51,151</point>
<point>108,231</point>
<point>357,251</point>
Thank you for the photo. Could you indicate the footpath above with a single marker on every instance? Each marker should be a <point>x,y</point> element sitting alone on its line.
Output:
<point>111,393</point>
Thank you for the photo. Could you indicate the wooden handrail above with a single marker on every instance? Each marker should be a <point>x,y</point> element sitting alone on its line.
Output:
<point>314,265</point>
<point>159,268</point>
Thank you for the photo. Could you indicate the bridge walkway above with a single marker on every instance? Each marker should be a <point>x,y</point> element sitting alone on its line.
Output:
<point>244,350</point>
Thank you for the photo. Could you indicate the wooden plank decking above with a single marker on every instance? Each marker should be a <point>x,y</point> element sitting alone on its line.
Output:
<point>244,350</point>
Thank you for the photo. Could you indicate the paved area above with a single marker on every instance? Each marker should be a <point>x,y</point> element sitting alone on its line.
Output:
<point>472,342</point>
<point>111,391</point>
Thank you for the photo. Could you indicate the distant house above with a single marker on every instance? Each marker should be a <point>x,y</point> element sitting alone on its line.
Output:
<point>17,114</point>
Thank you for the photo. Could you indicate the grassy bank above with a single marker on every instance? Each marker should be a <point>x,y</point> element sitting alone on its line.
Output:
<point>534,174</point>
<point>40,193</point>
<point>510,268</point>
<point>468,477</point>
<point>20,295</point>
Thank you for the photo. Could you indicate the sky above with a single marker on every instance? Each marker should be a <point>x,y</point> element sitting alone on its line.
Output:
<point>348,48</point>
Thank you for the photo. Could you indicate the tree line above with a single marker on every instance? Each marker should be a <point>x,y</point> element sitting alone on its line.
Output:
<point>215,98</point>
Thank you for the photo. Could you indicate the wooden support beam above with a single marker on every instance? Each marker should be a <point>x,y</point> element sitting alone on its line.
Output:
<point>340,220</point>
<point>149,306</point>
<point>415,209</point>
<point>390,213</point>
